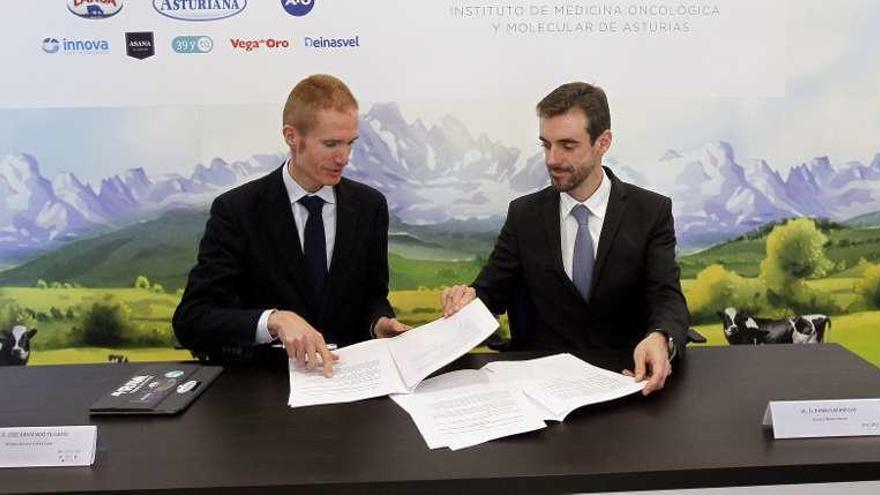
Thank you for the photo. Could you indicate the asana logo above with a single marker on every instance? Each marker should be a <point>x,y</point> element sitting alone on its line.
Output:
<point>140,45</point>
<point>298,8</point>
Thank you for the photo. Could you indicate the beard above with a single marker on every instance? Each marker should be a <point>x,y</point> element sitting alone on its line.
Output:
<point>576,176</point>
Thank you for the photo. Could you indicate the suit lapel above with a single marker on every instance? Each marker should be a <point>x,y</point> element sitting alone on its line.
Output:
<point>551,220</point>
<point>284,239</point>
<point>613,219</point>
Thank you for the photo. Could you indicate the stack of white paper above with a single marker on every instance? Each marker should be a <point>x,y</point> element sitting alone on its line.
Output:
<point>467,407</point>
<point>562,383</point>
<point>396,365</point>
<point>468,415</point>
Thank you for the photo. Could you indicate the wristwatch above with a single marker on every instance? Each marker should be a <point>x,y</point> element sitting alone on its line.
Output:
<point>670,347</point>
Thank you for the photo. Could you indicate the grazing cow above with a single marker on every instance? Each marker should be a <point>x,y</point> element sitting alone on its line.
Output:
<point>15,345</point>
<point>742,328</point>
<point>810,329</point>
<point>117,358</point>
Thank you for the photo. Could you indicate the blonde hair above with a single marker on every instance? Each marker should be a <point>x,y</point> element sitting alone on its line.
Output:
<point>312,94</point>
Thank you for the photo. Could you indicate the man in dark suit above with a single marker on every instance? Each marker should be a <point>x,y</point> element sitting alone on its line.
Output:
<point>591,256</point>
<point>299,256</point>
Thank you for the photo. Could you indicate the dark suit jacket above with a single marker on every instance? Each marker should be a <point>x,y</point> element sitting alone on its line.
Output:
<point>250,260</point>
<point>635,287</point>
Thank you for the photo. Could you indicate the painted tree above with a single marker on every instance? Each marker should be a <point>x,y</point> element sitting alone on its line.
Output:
<point>869,286</point>
<point>142,282</point>
<point>795,253</point>
<point>716,288</point>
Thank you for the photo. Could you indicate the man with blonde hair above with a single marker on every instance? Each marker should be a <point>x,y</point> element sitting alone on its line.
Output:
<point>298,257</point>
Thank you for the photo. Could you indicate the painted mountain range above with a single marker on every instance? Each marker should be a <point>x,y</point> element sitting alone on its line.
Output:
<point>434,174</point>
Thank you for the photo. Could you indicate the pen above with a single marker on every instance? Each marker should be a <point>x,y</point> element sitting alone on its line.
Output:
<point>330,347</point>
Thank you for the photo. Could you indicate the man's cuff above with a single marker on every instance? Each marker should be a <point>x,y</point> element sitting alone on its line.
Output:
<point>262,335</point>
<point>671,348</point>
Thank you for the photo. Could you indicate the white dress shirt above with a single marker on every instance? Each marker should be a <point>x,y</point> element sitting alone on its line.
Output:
<point>300,216</point>
<point>597,203</point>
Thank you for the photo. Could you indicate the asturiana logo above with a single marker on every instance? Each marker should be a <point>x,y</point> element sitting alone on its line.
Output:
<point>94,9</point>
<point>199,10</point>
<point>75,46</point>
<point>298,8</point>
<point>251,45</point>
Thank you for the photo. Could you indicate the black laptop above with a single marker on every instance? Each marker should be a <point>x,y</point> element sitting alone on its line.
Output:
<point>158,389</point>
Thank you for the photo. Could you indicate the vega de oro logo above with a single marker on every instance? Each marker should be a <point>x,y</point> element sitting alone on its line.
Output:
<point>199,10</point>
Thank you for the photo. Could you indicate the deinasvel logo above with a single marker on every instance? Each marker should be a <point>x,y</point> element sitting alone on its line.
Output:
<point>199,10</point>
<point>94,9</point>
<point>298,8</point>
<point>321,42</point>
<point>70,46</point>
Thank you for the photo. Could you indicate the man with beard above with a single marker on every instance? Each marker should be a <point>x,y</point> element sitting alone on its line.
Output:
<point>591,257</point>
<point>298,257</point>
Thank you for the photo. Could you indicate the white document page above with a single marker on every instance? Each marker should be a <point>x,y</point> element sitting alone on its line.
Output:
<point>563,383</point>
<point>452,379</point>
<point>363,371</point>
<point>468,415</point>
<point>423,350</point>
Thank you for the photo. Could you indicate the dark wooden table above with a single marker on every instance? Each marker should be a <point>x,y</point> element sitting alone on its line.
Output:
<point>703,430</point>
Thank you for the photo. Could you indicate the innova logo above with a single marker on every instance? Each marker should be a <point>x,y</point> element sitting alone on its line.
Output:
<point>74,46</point>
<point>298,8</point>
<point>51,45</point>
<point>199,10</point>
<point>94,9</point>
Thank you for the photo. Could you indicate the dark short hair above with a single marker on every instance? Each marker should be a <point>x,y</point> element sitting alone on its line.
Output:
<point>312,94</point>
<point>590,99</point>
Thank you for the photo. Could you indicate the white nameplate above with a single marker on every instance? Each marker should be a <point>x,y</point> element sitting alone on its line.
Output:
<point>47,446</point>
<point>823,418</point>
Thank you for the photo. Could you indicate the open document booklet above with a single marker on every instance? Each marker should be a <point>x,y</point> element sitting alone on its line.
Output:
<point>465,407</point>
<point>395,365</point>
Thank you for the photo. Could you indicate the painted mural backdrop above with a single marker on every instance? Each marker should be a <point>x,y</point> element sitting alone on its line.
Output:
<point>120,121</point>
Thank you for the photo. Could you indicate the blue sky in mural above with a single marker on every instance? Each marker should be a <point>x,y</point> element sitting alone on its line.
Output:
<point>830,109</point>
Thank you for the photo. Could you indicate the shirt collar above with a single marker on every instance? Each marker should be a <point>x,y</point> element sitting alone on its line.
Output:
<point>295,191</point>
<point>597,203</point>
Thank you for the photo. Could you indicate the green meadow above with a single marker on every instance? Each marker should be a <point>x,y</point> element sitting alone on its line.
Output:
<point>857,331</point>
<point>421,264</point>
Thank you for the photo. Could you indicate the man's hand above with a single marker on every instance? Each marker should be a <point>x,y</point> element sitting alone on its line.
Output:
<point>456,297</point>
<point>302,342</point>
<point>651,358</point>
<point>389,327</point>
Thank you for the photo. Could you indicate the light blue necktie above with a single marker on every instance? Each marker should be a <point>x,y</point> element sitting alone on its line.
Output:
<point>582,261</point>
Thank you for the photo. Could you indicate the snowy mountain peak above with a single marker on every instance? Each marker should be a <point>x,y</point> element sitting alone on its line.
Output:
<point>670,155</point>
<point>19,168</point>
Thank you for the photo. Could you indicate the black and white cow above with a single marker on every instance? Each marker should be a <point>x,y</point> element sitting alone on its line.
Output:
<point>15,345</point>
<point>810,329</point>
<point>743,328</point>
